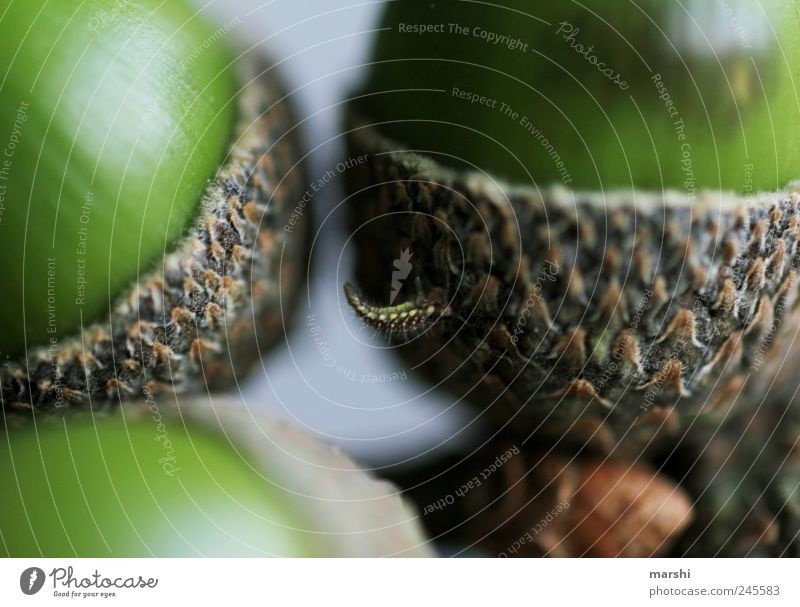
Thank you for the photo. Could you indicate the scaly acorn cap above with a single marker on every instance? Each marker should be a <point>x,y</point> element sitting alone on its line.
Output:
<point>637,310</point>
<point>620,312</point>
<point>203,313</point>
<point>654,290</point>
<point>741,476</point>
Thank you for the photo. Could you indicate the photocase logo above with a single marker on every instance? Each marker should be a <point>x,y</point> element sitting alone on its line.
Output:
<point>31,580</point>
<point>402,270</point>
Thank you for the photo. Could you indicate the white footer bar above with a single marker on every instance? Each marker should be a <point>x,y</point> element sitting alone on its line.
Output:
<point>380,583</point>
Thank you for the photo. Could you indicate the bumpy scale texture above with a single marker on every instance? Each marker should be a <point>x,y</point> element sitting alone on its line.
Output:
<point>602,318</point>
<point>641,327</point>
<point>201,316</point>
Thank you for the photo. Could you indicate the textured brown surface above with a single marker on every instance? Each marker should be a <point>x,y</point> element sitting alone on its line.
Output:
<point>598,318</point>
<point>202,314</point>
<point>638,327</point>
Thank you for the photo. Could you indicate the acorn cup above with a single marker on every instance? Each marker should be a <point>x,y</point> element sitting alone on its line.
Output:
<point>598,203</point>
<point>195,477</point>
<point>594,200</point>
<point>149,191</point>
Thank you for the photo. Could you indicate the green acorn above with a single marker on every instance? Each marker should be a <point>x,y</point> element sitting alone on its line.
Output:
<point>147,191</point>
<point>596,95</point>
<point>594,199</point>
<point>198,479</point>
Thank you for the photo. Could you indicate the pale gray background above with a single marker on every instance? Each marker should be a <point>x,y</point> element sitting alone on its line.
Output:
<point>321,46</point>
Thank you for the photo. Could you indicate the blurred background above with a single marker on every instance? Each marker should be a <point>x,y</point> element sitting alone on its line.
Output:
<point>331,375</point>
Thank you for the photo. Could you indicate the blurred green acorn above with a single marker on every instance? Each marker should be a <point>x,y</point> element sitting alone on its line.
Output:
<point>592,198</point>
<point>146,180</point>
<point>201,479</point>
<point>596,94</point>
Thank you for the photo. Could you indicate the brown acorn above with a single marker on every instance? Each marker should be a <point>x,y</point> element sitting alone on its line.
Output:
<point>510,500</point>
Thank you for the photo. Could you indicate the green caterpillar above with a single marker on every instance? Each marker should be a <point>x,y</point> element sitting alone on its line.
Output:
<point>407,319</point>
